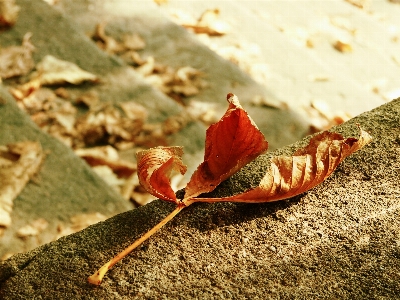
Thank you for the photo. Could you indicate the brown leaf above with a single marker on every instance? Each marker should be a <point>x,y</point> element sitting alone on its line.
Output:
<point>32,229</point>
<point>155,168</point>
<point>18,163</point>
<point>343,47</point>
<point>105,42</point>
<point>230,144</point>
<point>133,42</point>
<point>51,71</point>
<point>107,156</point>
<point>17,60</point>
<point>210,23</point>
<point>289,176</point>
<point>8,12</point>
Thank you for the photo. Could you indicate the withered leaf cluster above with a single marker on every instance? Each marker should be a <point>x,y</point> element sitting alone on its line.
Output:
<point>82,121</point>
<point>177,83</point>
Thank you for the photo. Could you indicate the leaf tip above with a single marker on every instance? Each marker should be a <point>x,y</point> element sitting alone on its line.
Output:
<point>233,101</point>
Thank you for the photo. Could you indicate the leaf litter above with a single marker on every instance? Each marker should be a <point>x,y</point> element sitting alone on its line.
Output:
<point>177,83</point>
<point>82,121</point>
<point>19,162</point>
<point>230,144</point>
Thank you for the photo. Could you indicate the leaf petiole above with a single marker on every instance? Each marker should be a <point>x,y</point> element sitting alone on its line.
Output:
<point>97,277</point>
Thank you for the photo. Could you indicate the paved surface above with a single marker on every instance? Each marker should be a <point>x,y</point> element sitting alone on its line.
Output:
<point>282,31</point>
<point>339,240</point>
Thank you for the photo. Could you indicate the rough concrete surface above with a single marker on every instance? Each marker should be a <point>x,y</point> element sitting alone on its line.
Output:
<point>341,240</point>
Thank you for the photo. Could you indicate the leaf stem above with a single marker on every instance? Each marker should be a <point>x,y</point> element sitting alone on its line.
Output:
<point>97,277</point>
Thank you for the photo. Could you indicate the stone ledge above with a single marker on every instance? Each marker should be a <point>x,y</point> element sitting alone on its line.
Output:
<point>339,240</point>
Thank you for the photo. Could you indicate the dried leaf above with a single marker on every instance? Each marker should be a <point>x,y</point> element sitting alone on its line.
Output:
<point>52,71</point>
<point>259,100</point>
<point>343,47</point>
<point>89,99</point>
<point>33,229</point>
<point>230,144</point>
<point>289,176</point>
<point>363,4</point>
<point>105,42</point>
<point>155,168</point>
<point>18,163</point>
<point>8,12</point>
<point>203,111</point>
<point>133,42</point>
<point>107,174</point>
<point>210,23</point>
<point>134,111</point>
<point>17,60</point>
<point>107,156</point>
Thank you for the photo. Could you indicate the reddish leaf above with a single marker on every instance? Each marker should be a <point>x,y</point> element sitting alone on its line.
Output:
<point>231,143</point>
<point>155,166</point>
<point>292,175</point>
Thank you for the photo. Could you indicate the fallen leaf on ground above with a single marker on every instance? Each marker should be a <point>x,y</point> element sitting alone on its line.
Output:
<point>105,42</point>
<point>176,83</point>
<point>259,100</point>
<point>17,60</point>
<point>53,71</point>
<point>89,99</point>
<point>133,42</point>
<point>32,229</point>
<point>292,175</point>
<point>342,47</point>
<point>159,2</point>
<point>18,163</point>
<point>210,23</point>
<point>318,78</point>
<point>8,12</point>
<point>118,173</point>
<point>109,44</point>
<point>202,111</point>
<point>107,156</point>
<point>322,117</point>
<point>231,143</point>
<point>363,4</point>
<point>155,167</point>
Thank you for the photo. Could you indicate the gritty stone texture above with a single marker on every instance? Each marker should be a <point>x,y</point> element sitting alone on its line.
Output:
<point>340,240</point>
